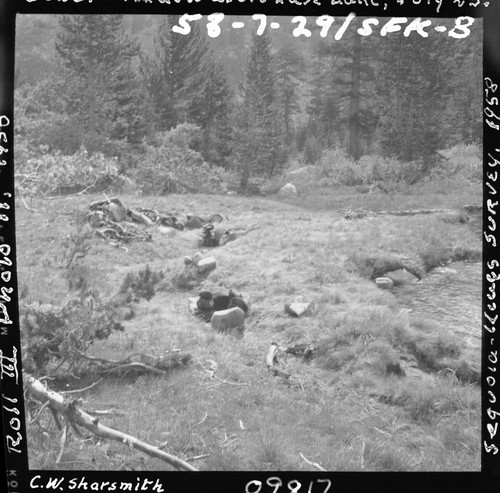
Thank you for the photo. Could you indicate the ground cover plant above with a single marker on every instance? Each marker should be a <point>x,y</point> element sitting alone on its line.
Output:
<point>385,390</point>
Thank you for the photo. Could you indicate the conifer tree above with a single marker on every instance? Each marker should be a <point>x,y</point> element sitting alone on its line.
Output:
<point>101,93</point>
<point>176,75</point>
<point>414,80</point>
<point>289,65</point>
<point>211,110</point>
<point>354,79</point>
<point>259,146</point>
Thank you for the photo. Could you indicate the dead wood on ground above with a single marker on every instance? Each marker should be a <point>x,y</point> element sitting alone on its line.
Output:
<point>139,364</point>
<point>272,362</point>
<point>75,417</point>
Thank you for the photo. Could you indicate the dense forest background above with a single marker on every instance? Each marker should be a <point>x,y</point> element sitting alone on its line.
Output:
<point>100,97</point>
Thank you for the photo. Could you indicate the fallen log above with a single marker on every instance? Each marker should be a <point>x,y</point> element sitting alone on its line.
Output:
<point>271,359</point>
<point>76,417</point>
<point>139,364</point>
<point>360,213</point>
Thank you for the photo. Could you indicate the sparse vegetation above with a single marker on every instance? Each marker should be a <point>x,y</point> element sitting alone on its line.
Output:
<point>141,284</point>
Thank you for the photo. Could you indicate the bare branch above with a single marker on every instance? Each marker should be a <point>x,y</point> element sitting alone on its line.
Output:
<point>314,464</point>
<point>75,415</point>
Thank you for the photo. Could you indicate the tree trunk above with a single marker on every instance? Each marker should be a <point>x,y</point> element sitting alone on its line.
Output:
<point>354,102</point>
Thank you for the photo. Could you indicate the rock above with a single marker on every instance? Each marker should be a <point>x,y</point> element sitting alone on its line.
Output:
<point>197,257</point>
<point>221,236</point>
<point>216,218</point>
<point>221,302</point>
<point>232,318</point>
<point>206,264</point>
<point>204,304</point>
<point>445,270</point>
<point>206,295</point>
<point>193,222</point>
<point>239,303</point>
<point>193,304</point>
<point>298,307</point>
<point>400,277</point>
<point>188,260</point>
<point>166,230</point>
<point>117,209</point>
<point>384,282</point>
<point>288,190</point>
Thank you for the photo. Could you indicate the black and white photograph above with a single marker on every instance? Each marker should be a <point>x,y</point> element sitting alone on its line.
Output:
<point>249,243</point>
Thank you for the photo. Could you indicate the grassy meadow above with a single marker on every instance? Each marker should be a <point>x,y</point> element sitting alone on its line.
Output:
<point>344,409</point>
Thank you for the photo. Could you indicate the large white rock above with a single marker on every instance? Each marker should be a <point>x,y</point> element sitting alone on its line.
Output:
<point>206,264</point>
<point>400,277</point>
<point>233,318</point>
<point>298,307</point>
<point>288,190</point>
<point>384,282</point>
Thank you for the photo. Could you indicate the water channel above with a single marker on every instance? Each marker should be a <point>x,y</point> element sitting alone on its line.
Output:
<point>450,295</point>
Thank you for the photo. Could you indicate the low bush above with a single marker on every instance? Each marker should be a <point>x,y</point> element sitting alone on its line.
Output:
<point>463,160</point>
<point>59,335</point>
<point>141,284</point>
<point>171,165</point>
<point>58,174</point>
<point>373,266</point>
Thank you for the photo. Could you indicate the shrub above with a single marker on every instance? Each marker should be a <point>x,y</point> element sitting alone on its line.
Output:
<point>58,174</point>
<point>373,266</point>
<point>142,284</point>
<point>172,166</point>
<point>435,254</point>
<point>61,334</point>
<point>342,170</point>
<point>462,161</point>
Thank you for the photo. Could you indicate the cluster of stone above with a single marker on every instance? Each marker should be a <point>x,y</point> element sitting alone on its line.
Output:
<point>224,311</point>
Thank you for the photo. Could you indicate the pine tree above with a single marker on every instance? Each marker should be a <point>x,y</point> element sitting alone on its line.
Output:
<point>289,65</point>
<point>259,134</point>
<point>462,68</point>
<point>355,91</point>
<point>101,93</point>
<point>413,71</point>
<point>177,74</point>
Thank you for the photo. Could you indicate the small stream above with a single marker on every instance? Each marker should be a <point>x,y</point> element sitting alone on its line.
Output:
<point>449,295</point>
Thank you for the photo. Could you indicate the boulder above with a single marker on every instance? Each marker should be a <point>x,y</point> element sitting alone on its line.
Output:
<point>203,304</point>
<point>239,302</point>
<point>288,190</point>
<point>400,277</point>
<point>206,295</point>
<point>117,209</point>
<point>232,318</point>
<point>298,307</point>
<point>193,222</point>
<point>197,257</point>
<point>221,302</point>
<point>384,282</point>
<point>206,264</point>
